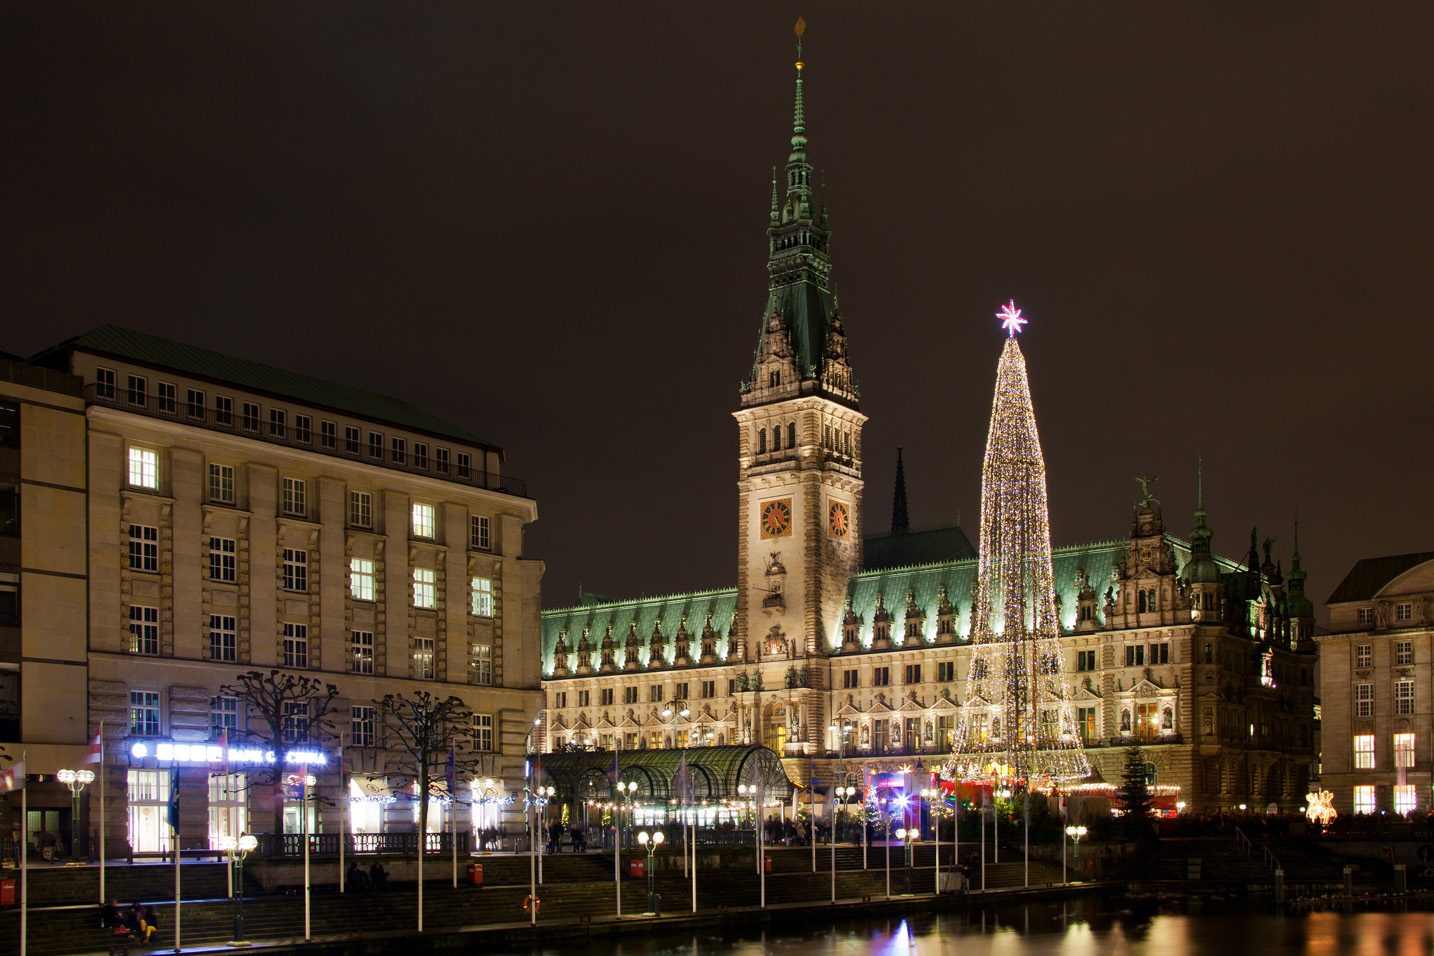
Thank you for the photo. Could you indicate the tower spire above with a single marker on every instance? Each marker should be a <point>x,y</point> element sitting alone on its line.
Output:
<point>900,521</point>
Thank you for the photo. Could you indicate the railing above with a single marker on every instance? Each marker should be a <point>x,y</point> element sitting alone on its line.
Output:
<point>234,423</point>
<point>1249,847</point>
<point>327,844</point>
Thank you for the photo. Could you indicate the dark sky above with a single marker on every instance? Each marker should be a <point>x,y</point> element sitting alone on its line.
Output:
<point>546,221</point>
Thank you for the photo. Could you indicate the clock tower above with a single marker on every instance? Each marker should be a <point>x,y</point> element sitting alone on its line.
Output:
<point>799,473</point>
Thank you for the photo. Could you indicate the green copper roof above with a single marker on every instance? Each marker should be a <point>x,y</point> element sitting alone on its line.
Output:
<point>696,605</point>
<point>122,343</point>
<point>1370,575</point>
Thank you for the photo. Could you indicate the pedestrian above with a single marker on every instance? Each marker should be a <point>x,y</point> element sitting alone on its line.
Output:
<point>378,876</point>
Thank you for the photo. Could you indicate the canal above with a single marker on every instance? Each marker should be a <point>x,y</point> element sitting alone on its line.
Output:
<point>1093,926</point>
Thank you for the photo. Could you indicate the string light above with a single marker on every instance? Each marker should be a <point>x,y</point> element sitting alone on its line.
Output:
<point>1018,722</point>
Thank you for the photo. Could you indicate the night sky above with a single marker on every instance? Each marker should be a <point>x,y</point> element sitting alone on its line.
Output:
<point>546,222</point>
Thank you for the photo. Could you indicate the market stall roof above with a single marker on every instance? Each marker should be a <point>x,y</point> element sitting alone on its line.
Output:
<point>715,772</point>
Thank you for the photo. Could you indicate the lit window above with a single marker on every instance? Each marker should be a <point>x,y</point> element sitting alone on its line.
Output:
<point>294,495</point>
<point>423,658</point>
<point>360,509</point>
<point>1364,799</point>
<point>482,597</point>
<point>143,468</point>
<point>144,713</point>
<point>424,591</point>
<point>143,629</point>
<point>483,664</point>
<point>143,548</point>
<point>422,521</point>
<point>1404,697</point>
<point>221,483</point>
<point>296,645</point>
<point>221,560</point>
<point>479,538</point>
<point>361,579</point>
<point>1364,752</point>
<point>362,645</point>
<point>1364,700</point>
<point>483,733</point>
<point>1404,798</point>
<point>296,569</point>
<point>223,642</point>
<point>1403,751</point>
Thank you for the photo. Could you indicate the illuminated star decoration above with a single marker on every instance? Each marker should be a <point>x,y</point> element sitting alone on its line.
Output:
<point>1010,317</point>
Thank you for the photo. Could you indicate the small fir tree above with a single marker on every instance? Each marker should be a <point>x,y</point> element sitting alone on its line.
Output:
<point>1135,792</point>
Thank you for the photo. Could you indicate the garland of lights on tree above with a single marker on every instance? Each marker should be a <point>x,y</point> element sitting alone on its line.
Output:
<point>1017,722</point>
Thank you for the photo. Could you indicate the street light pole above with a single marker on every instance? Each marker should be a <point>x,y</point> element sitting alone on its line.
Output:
<point>245,843</point>
<point>1075,833</point>
<point>76,781</point>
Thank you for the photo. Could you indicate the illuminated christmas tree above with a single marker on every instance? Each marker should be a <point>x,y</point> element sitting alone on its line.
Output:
<point>1017,721</point>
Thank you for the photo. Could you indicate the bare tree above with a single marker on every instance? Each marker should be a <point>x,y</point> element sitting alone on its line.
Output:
<point>285,710</point>
<point>425,729</point>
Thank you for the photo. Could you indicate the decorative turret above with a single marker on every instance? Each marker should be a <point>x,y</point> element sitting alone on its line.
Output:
<point>609,652</point>
<point>657,647</point>
<point>632,650</point>
<point>585,655</point>
<point>682,643</point>
<point>709,642</point>
<point>1301,608</point>
<point>560,655</point>
<point>880,626</point>
<point>915,632</point>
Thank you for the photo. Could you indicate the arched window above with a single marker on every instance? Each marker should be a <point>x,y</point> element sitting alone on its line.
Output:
<point>1154,605</point>
<point>761,440</point>
<point>1141,607</point>
<point>777,438</point>
<point>827,437</point>
<point>791,434</point>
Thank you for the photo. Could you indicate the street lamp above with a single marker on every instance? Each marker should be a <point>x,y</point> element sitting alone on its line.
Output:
<point>651,842</point>
<point>932,795</point>
<point>751,792</point>
<point>534,799</point>
<point>842,794</point>
<point>246,843</point>
<point>76,781</point>
<point>307,780</point>
<point>906,837</point>
<point>1075,833</point>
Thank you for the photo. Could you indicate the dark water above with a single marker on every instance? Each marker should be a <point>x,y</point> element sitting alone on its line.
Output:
<point>1118,926</point>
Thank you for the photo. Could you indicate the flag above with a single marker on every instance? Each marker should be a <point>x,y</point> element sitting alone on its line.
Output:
<point>97,750</point>
<point>13,777</point>
<point>174,798</point>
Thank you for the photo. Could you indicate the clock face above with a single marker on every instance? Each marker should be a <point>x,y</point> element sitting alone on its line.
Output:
<point>839,520</point>
<point>777,518</point>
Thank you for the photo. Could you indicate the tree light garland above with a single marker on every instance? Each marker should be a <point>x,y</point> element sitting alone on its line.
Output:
<point>1017,722</point>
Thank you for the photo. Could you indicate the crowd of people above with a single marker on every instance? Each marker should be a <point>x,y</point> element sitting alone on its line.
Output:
<point>137,922</point>
<point>375,879</point>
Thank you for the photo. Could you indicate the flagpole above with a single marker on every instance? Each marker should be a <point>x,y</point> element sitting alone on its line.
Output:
<point>24,851</point>
<point>229,812</point>
<point>343,801</point>
<point>102,778</point>
<point>174,847</point>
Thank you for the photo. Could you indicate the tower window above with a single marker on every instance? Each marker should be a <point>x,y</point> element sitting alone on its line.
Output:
<point>777,438</point>
<point>791,434</point>
<point>761,440</point>
<point>774,379</point>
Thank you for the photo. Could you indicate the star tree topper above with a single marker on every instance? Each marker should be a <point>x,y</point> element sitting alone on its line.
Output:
<point>1010,317</point>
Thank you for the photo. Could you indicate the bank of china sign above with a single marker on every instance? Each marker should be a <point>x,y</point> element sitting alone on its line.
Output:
<point>167,751</point>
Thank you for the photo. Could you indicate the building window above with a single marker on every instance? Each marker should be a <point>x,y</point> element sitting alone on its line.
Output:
<point>681,691</point>
<point>1085,660</point>
<point>1363,751</point>
<point>424,591</point>
<point>137,389</point>
<point>296,569</point>
<point>1366,615</point>
<point>222,560</point>
<point>420,455</point>
<point>143,548</point>
<point>791,434</point>
<point>440,460</point>
<point>375,444</point>
<point>294,497</point>
<point>9,615</point>
<point>223,410</point>
<point>880,676</point>
<point>143,468</point>
<point>361,579</point>
<point>104,383</point>
<point>276,422</point>
<point>850,679</point>
<point>482,597</point>
<point>362,725</point>
<point>223,715</point>
<point>1364,655</point>
<point>629,695</point>
<point>1403,751</point>
<point>585,698</point>
<point>423,658</point>
<point>560,699</point>
<point>302,429</point>
<point>1404,697</point>
<point>945,671</point>
<point>483,664</point>
<point>465,465</point>
<point>144,713</point>
<point>398,451</point>
<point>1404,613</point>
<point>709,688</point>
<point>223,639</point>
<point>328,435</point>
<point>296,645</point>
<point>361,645</point>
<point>165,397</point>
<point>423,521</point>
<point>483,733</point>
<point>194,403</point>
<point>1364,700</point>
<point>249,416</point>
<point>360,509</point>
<point>351,439</point>
<point>1160,653</point>
<point>296,721</point>
<point>478,536</point>
<point>1364,799</point>
<point>1404,652</point>
<point>221,484</point>
<point>1135,655</point>
<point>606,696</point>
<point>1405,801</point>
<point>655,693</point>
<point>1085,723</point>
<point>143,629</point>
<point>913,674</point>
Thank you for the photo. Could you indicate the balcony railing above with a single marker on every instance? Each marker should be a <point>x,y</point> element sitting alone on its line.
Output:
<point>327,844</point>
<point>234,423</point>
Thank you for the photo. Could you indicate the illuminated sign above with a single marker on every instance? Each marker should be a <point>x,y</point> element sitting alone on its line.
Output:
<point>167,751</point>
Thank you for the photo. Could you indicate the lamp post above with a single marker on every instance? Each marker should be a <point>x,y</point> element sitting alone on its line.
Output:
<point>842,794</point>
<point>245,843</point>
<point>306,780</point>
<point>752,792</point>
<point>907,837</point>
<point>651,842</point>
<point>76,781</point>
<point>1075,833</point>
<point>534,799</point>
<point>931,795</point>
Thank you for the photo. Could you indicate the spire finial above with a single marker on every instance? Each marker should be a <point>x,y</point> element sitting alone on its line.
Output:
<point>1200,484</point>
<point>900,520</point>
<point>774,194</point>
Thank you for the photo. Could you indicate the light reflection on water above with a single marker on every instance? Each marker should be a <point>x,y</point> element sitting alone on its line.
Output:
<point>1089,927</point>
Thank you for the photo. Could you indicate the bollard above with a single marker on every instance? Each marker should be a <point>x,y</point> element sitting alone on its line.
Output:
<point>1401,880</point>
<point>1349,881</point>
<point>1279,887</point>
